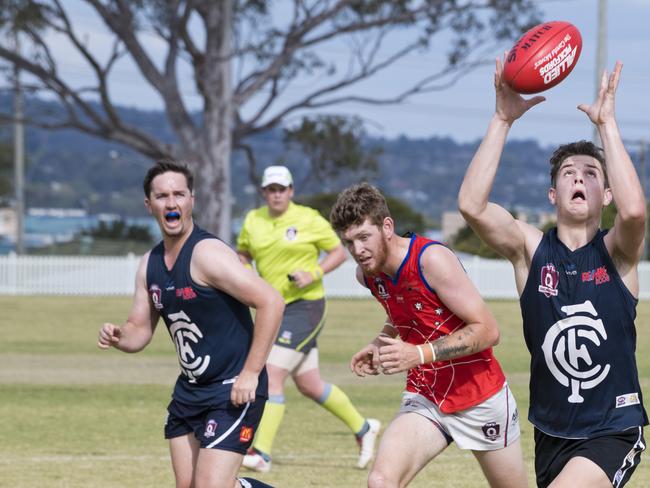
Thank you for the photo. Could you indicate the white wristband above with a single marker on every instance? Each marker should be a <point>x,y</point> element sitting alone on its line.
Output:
<point>421,354</point>
<point>433,353</point>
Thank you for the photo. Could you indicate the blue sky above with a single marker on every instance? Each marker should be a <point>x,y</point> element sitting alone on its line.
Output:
<point>463,111</point>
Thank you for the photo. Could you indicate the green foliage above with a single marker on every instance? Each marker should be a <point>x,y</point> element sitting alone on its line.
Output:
<point>608,216</point>
<point>469,242</point>
<point>22,15</point>
<point>406,219</point>
<point>333,144</point>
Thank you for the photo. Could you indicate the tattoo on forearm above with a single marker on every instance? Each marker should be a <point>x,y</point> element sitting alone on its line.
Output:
<point>463,343</point>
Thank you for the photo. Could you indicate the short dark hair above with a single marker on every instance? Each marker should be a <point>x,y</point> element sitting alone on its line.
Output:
<point>163,166</point>
<point>356,204</point>
<point>586,148</point>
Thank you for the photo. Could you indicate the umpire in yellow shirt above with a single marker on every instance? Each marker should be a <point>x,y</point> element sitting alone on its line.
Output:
<point>285,240</point>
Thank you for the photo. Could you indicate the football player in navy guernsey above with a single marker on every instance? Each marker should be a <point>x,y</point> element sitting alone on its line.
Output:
<point>578,288</point>
<point>196,283</point>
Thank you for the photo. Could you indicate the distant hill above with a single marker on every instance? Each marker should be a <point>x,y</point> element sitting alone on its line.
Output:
<point>70,169</point>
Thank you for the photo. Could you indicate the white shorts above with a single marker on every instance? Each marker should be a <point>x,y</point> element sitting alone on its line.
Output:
<point>293,361</point>
<point>488,426</point>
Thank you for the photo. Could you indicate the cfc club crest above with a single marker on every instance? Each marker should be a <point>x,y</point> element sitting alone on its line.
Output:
<point>566,349</point>
<point>549,280</point>
<point>187,336</point>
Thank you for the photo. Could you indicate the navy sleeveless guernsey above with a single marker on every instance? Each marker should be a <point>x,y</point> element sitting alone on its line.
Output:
<point>211,331</point>
<point>578,318</point>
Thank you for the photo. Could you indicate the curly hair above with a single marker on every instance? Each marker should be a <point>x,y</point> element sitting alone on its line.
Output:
<point>356,204</point>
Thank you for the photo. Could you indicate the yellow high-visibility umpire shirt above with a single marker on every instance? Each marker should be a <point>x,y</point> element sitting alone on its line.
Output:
<point>291,242</point>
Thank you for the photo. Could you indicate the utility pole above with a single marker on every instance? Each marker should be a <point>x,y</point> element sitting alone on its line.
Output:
<point>601,55</point>
<point>19,157</point>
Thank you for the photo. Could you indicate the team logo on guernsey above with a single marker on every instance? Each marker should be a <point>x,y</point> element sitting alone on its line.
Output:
<point>156,296</point>
<point>245,434</point>
<point>186,334</point>
<point>291,234</point>
<point>491,431</point>
<point>566,349</point>
<point>381,289</point>
<point>210,428</point>
<point>549,280</point>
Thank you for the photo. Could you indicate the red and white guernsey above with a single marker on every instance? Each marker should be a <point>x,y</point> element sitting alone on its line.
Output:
<point>420,316</point>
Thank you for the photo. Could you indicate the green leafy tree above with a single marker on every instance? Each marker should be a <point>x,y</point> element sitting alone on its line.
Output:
<point>333,144</point>
<point>466,240</point>
<point>119,229</point>
<point>243,57</point>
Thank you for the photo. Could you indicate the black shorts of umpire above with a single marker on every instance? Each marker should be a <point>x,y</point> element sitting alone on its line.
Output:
<point>618,454</point>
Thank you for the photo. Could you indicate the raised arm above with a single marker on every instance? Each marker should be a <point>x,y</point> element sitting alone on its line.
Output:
<point>494,224</point>
<point>216,265</point>
<point>444,273</point>
<point>140,325</point>
<point>625,240</point>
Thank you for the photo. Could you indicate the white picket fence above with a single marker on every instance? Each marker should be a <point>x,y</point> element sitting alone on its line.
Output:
<point>80,275</point>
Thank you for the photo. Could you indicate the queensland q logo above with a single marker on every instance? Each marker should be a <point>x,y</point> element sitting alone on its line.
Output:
<point>185,333</point>
<point>562,353</point>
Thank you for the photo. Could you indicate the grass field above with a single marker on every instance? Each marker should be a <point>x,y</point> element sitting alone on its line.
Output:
<point>74,416</point>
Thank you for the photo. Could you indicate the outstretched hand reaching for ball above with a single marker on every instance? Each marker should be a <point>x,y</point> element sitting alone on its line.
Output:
<point>602,110</point>
<point>510,105</point>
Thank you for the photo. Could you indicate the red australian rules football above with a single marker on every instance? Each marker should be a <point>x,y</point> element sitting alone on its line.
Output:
<point>542,57</point>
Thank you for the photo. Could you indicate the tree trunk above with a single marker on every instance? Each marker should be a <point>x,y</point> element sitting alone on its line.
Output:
<point>212,177</point>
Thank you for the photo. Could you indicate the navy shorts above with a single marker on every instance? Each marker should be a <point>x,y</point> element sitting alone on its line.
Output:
<point>220,426</point>
<point>618,454</point>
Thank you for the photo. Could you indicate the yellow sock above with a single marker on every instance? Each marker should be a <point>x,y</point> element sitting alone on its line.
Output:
<point>337,402</point>
<point>268,428</point>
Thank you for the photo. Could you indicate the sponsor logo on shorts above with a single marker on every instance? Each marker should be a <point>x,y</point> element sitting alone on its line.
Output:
<point>491,431</point>
<point>549,280</point>
<point>245,434</point>
<point>627,400</point>
<point>210,428</point>
<point>515,416</point>
<point>154,291</point>
<point>285,337</point>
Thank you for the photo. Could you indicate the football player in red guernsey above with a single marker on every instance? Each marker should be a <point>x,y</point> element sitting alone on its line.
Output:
<point>439,330</point>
